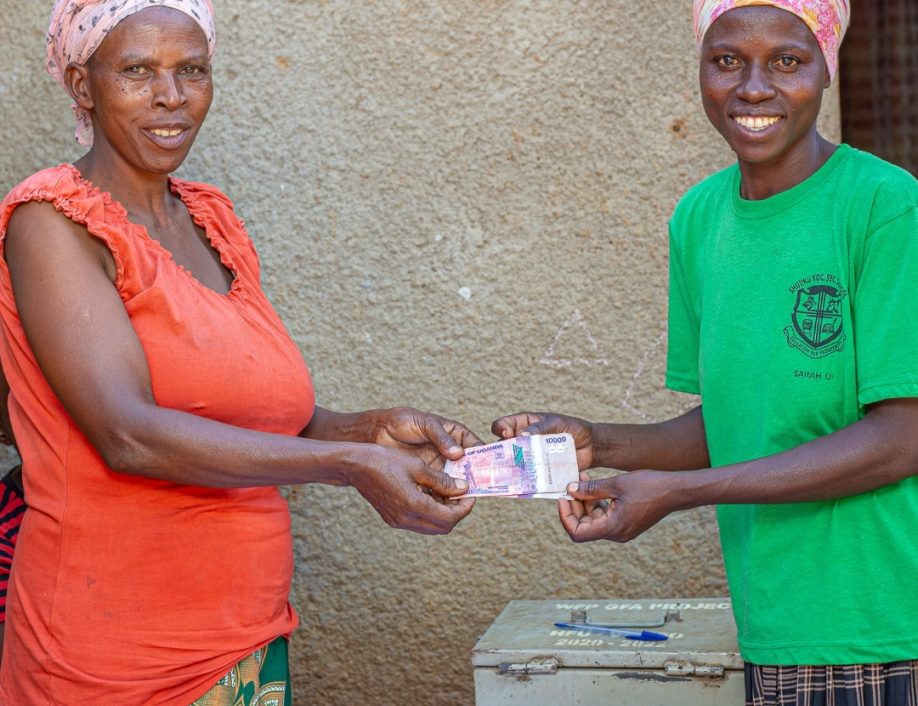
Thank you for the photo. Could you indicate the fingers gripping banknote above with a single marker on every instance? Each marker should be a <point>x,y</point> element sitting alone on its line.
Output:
<point>537,466</point>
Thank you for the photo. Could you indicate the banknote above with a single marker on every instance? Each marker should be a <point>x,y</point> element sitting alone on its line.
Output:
<point>537,466</point>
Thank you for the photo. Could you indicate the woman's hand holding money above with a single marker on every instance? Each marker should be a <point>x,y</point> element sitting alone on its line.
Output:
<point>407,493</point>
<point>395,462</point>
<point>430,437</point>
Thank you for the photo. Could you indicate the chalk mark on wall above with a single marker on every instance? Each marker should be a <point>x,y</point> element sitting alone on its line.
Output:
<point>574,322</point>
<point>689,401</point>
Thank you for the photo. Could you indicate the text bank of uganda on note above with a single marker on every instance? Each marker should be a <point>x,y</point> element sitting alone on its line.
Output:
<point>537,466</point>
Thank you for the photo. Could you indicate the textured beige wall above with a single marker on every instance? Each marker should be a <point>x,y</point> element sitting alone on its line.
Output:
<point>460,206</point>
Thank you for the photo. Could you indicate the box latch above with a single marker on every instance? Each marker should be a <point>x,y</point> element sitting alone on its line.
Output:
<point>682,668</point>
<point>537,665</point>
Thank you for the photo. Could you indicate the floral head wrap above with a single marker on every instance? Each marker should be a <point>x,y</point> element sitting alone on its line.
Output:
<point>78,27</point>
<point>827,20</point>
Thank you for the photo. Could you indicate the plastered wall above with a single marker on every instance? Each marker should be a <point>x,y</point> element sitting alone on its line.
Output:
<point>459,206</point>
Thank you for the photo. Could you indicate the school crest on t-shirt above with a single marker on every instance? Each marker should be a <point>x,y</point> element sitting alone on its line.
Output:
<point>817,327</point>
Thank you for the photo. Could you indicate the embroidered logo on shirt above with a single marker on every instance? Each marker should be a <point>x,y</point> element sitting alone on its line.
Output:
<point>816,321</point>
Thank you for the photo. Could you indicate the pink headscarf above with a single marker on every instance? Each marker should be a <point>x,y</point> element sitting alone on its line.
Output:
<point>78,27</point>
<point>827,20</point>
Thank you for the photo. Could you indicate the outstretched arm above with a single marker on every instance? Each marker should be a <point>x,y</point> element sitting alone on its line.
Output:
<point>92,358</point>
<point>676,444</point>
<point>880,449</point>
<point>431,437</point>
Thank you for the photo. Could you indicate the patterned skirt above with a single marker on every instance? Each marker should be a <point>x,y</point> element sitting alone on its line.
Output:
<point>12,508</point>
<point>891,684</point>
<point>261,679</point>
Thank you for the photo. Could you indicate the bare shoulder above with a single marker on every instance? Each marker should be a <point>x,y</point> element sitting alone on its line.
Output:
<point>38,230</point>
<point>41,218</point>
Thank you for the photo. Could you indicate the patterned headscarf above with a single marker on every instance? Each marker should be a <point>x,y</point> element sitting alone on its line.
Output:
<point>827,20</point>
<point>78,27</point>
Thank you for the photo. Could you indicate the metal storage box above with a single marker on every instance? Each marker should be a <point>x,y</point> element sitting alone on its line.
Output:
<point>524,659</point>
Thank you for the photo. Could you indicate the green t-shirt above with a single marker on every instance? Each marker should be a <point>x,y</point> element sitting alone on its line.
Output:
<point>788,315</point>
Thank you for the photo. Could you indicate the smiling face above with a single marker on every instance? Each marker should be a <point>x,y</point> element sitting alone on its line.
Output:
<point>762,78</point>
<point>148,89</point>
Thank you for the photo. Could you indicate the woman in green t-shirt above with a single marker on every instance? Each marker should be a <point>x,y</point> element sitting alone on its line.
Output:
<point>790,274</point>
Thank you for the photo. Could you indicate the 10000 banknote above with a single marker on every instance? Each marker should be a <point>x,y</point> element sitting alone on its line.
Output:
<point>536,466</point>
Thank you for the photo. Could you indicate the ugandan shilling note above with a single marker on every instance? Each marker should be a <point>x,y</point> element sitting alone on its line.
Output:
<point>537,466</point>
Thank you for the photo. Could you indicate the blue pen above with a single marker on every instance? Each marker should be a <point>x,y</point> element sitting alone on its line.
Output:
<point>606,630</point>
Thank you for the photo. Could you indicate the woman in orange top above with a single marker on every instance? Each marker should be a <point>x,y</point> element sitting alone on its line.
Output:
<point>162,399</point>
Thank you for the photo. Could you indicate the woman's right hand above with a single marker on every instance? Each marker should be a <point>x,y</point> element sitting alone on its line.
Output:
<point>547,423</point>
<point>408,494</point>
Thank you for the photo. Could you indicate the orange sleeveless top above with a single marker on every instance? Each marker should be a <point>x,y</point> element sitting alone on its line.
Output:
<point>127,590</point>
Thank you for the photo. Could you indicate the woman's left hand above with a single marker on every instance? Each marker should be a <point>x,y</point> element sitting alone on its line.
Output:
<point>619,508</point>
<point>432,438</point>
